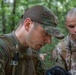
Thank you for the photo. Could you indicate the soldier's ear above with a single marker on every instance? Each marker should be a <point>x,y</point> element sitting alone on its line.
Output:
<point>27,23</point>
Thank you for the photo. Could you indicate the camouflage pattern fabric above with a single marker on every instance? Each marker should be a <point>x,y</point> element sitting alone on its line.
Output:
<point>64,54</point>
<point>38,63</point>
<point>24,64</point>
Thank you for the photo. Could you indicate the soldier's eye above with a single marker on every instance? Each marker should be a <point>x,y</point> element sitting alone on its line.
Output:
<point>70,26</point>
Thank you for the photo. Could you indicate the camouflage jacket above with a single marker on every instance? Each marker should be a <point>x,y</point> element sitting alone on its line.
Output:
<point>15,59</point>
<point>64,54</point>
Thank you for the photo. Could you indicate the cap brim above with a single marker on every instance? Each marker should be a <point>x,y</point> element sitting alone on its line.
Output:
<point>54,32</point>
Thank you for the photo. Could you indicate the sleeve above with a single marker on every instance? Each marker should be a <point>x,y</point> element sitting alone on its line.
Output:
<point>3,59</point>
<point>57,57</point>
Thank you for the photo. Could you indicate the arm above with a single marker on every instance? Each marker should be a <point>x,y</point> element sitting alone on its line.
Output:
<point>3,58</point>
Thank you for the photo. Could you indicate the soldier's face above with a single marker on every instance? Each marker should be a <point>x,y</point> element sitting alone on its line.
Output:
<point>38,37</point>
<point>71,26</point>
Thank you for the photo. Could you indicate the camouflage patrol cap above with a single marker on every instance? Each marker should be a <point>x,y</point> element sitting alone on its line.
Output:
<point>45,17</point>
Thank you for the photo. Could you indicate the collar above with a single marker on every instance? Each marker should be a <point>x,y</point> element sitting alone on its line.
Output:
<point>15,42</point>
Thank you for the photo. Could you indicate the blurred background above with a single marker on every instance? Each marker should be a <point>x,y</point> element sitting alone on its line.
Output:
<point>12,10</point>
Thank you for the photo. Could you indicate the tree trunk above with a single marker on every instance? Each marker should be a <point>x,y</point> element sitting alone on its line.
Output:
<point>13,15</point>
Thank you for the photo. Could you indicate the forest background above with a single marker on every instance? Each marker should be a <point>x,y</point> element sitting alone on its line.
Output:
<point>12,10</point>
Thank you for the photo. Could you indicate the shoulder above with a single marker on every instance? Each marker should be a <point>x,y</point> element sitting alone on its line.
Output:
<point>5,40</point>
<point>61,47</point>
<point>2,43</point>
<point>63,43</point>
<point>3,47</point>
<point>2,40</point>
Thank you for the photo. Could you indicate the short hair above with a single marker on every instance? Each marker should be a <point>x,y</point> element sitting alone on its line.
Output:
<point>71,13</point>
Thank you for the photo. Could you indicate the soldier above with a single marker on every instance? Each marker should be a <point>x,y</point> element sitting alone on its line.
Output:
<point>64,54</point>
<point>35,29</point>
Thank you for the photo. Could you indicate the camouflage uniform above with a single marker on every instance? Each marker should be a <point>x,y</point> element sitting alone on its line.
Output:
<point>64,54</point>
<point>15,59</point>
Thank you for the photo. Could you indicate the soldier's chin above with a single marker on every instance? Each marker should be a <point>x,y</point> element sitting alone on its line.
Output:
<point>74,37</point>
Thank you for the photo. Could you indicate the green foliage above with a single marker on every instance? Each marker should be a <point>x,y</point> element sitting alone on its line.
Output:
<point>59,7</point>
